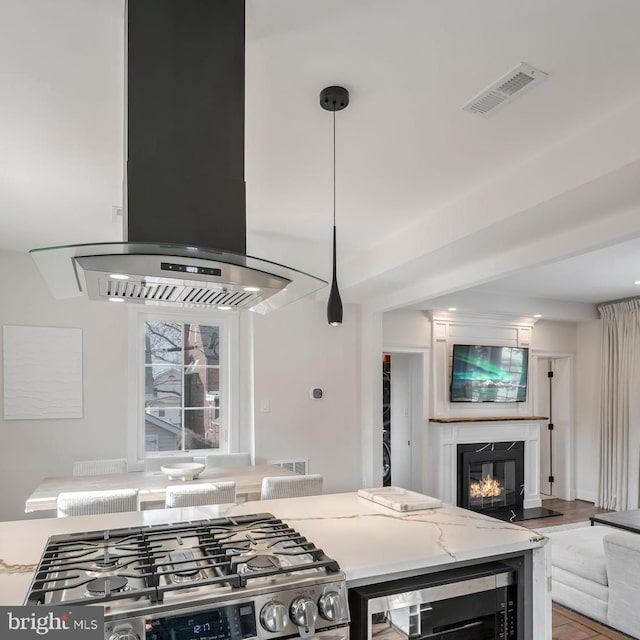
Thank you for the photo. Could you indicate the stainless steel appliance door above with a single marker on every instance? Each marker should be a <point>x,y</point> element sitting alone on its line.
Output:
<point>466,604</point>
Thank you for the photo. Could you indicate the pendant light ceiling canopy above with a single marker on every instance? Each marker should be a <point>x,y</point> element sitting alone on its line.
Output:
<point>334,99</point>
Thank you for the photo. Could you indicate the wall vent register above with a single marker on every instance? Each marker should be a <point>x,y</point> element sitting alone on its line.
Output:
<point>505,89</point>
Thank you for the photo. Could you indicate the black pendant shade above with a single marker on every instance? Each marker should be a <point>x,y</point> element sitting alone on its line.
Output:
<point>334,305</point>
<point>334,99</point>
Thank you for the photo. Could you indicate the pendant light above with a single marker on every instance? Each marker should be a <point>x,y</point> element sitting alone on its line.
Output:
<point>334,99</point>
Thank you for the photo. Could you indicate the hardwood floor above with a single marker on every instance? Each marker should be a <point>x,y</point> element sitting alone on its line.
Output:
<point>567,624</point>
<point>575,511</point>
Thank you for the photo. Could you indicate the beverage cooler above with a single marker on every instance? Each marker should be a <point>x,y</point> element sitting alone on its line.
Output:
<point>472,603</point>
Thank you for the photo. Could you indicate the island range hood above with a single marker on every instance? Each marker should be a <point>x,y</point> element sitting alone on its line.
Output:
<point>185,189</point>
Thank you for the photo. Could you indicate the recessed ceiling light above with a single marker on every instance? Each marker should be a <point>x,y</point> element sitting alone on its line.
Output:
<point>116,299</point>
<point>119,276</point>
<point>452,309</point>
<point>252,288</point>
<point>537,315</point>
<point>637,282</point>
<point>224,308</point>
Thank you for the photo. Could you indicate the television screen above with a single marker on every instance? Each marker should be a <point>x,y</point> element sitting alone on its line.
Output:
<point>488,374</point>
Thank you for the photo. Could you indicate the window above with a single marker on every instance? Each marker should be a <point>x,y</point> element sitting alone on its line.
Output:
<point>185,394</point>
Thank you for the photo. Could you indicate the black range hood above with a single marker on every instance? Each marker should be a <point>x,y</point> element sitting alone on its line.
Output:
<point>185,188</point>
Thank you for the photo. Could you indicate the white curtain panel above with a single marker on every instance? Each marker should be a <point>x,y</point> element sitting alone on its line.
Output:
<point>618,388</point>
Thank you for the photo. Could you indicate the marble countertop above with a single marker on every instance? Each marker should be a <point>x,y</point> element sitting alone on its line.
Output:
<point>370,542</point>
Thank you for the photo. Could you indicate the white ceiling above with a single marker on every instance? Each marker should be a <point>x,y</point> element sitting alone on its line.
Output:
<point>432,200</point>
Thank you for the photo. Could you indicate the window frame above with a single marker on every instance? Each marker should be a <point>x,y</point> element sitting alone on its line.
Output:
<point>228,321</point>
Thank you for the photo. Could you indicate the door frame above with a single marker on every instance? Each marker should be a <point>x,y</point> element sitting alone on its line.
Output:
<point>419,412</point>
<point>568,455</point>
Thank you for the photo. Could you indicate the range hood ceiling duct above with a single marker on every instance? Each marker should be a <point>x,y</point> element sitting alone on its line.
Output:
<point>185,188</point>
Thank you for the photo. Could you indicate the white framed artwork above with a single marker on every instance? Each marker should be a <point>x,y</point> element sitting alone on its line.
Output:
<point>42,372</point>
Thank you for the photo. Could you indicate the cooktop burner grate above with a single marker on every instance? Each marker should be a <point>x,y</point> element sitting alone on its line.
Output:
<point>147,563</point>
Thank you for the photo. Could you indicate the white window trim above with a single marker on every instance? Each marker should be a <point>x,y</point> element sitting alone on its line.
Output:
<point>229,381</point>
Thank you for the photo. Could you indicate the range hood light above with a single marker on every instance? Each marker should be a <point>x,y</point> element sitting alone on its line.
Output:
<point>223,308</point>
<point>116,299</point>
<point>251,288</point>
<point>119,276</point>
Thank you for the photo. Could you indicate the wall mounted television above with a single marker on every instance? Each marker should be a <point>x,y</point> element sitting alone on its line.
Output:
<point>488,374</point>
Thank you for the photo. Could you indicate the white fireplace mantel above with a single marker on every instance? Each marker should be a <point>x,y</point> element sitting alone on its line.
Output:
<point>445,436</point>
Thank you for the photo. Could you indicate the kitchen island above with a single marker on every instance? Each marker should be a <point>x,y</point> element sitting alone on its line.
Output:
<point>372,543</point>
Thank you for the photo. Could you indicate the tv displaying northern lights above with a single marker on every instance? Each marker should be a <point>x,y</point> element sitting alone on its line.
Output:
<point>488,374</point>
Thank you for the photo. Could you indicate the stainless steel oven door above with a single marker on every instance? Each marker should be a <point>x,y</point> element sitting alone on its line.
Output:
<point>480,608</point>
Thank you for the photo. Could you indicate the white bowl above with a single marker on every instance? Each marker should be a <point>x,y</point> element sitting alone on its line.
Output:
<point>182,470</point>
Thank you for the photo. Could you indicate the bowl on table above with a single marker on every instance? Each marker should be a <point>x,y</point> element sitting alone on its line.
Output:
<point>182,470</point>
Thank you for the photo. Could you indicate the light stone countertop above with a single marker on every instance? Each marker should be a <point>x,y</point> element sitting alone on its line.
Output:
<point>370,542</point>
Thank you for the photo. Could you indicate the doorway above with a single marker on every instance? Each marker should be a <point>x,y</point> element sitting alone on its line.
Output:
<point>554,399</point>
<point>403,392</point>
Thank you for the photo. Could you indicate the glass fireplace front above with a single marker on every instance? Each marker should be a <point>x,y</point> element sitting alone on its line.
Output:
<point>491,476</point>
<point>491,484</point>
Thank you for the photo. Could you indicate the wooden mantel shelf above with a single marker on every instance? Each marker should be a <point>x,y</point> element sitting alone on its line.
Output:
<point>486,419</point>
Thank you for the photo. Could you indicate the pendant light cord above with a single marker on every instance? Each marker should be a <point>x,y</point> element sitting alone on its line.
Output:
<point>334,166</point>
<point>334,99</point>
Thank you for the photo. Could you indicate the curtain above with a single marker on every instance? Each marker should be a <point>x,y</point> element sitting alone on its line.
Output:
<point>620,353</point>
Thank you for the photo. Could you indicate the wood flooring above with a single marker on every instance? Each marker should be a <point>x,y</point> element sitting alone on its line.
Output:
<point>567,624</point>
<point>574,511</point>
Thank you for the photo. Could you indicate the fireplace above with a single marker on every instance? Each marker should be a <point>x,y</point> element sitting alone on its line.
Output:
<point>491,476</point>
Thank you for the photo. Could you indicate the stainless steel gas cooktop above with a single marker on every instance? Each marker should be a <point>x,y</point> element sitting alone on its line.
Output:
<point>228,578</point>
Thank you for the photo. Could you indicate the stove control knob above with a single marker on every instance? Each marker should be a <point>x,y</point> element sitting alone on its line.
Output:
<point>124,633</point>
<point>332,606</point>
<point>274,617</point>
<point>304,612</point>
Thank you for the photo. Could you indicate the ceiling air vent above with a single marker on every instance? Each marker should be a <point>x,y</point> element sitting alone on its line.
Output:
<point>504,90</point>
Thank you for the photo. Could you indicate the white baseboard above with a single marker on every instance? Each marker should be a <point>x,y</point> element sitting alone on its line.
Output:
<point>588,496</point>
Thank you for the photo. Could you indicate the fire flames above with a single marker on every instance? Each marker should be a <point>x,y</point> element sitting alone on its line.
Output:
<point>488,487</point>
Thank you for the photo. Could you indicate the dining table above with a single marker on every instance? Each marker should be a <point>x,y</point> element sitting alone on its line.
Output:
<point>152,485</point>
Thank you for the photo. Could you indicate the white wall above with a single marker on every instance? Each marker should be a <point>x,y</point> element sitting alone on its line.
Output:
<point>584,340</point>
<point>407,329</point>
<point>556,337</point>
<point>295,350</point>
<point>34,449</point>
<point>558,341</point>
<point>587,414</point>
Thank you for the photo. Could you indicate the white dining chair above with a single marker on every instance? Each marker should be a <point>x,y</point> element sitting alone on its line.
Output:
<point>291,486</point>
<point>99,467</point>
<point>154,464</point>
<point>88,503</point>
<point>228,460</point>
<point>195,495</point>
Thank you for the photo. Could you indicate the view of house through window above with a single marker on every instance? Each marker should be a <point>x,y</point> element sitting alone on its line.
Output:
<point>181,386</point>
